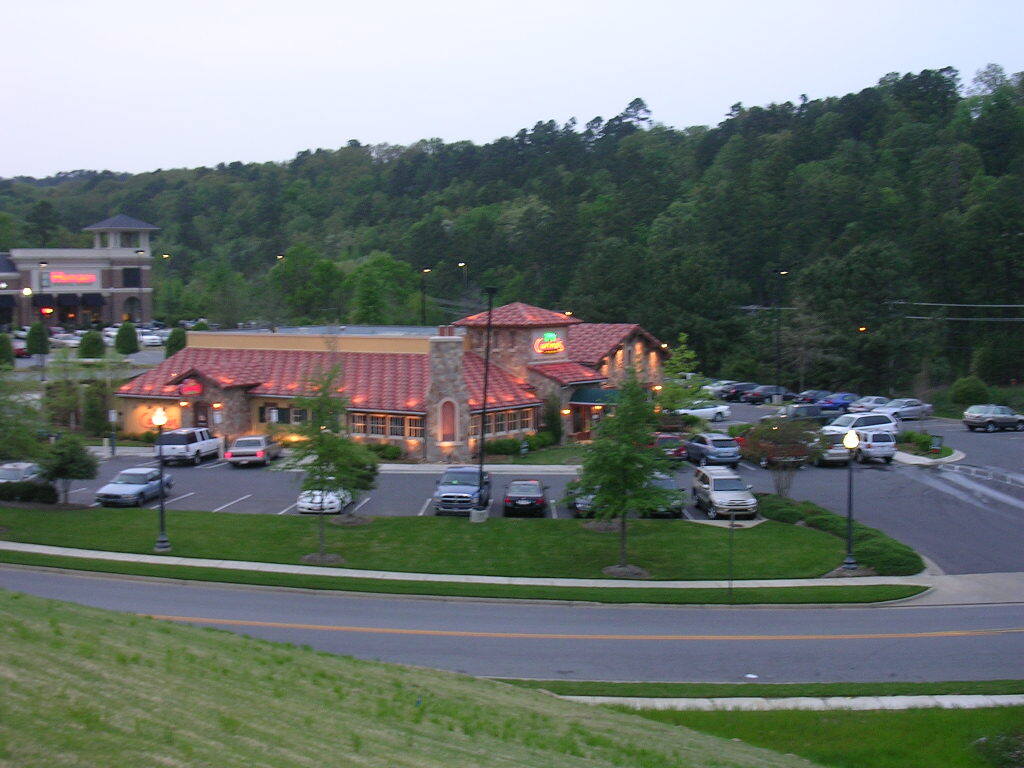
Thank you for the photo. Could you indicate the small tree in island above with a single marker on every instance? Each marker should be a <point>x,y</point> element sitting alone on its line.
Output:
<point>330,460</point>
<point>66,460</point>
<point>782,446</point>
<point>127,340</point>
<point>619,466</point>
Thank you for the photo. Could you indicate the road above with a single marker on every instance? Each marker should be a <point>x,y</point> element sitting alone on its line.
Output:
<point>585,642</point>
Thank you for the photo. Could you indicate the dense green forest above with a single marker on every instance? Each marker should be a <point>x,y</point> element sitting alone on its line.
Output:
<point>908,191</point>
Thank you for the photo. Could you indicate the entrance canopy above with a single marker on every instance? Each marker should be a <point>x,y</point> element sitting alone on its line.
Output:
<point>594,396</point>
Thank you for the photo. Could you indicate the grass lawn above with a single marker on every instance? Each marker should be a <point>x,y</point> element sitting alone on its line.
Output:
<point>559,454</point>
<point>86,687</point>
<point>917,738</point>
<point>668,549</point>
<point>769,690</point>
<point>943,452</point>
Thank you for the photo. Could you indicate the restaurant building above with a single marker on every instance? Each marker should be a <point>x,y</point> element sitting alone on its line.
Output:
<point>76,287</point>
<point>418,388</point>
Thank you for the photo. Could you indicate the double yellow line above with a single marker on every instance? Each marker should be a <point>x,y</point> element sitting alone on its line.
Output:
<point>559,636</point>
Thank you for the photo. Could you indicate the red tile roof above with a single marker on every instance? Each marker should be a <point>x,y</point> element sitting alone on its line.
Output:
<point>370,380</point>
<point>503,389</point>
<point>567,373</point>
<point>518,315</point>
<point>590,342</point>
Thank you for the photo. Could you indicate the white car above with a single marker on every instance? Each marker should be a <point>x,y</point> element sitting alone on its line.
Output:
<point>906,408</point>
<point>866,404</point>
<point>150,340</point>
<point>715,387</point>
<point>874,421</point>
<point>705,409</point>
<point>875,445</point>
<point>323,502</point>
<point>66,340</point>
<point>20,472</point>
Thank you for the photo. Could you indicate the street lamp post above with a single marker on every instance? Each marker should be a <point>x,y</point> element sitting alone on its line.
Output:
<point>423,295</point>
<point>140,252</point>
<point>163,544</point>
<point>483,409</point>
<point>465,274</point>
<point>778,326</point>
<point>850,442</point>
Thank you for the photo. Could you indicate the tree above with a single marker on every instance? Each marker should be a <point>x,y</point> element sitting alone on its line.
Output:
<point>21,423</point>
<point>42,222</point>
<point>969,390</point>
<point>202,325</point>
<point>66,460</point>
<point>619,465</point>
<point>781,446</point>
<point>127,340</point>
<point>92,346</point>
<point>176,342</point>
<point>329,459</point>
<point>6,351</point>
<point>682,385</point>
<point>94,409</point>
<point>38,340</point>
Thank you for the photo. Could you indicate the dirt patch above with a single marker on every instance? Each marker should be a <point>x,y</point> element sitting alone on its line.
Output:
<point>37,505</point>
<point>350,520</point>
<point>601,526</point>
<point>849,573</point>
<point>626,572</point>
<point>327,558</point>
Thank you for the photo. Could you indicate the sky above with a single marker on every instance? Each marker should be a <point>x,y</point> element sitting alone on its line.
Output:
<point>135,86</point>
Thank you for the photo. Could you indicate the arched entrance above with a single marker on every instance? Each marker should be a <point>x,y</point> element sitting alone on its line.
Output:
<point>131,310</point>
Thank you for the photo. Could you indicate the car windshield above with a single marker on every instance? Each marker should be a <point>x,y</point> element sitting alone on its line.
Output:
<point>524,488</point>
<point>130,478</point>
<point>170,438</point>
<point>249,442</point>
<point>724,443</point>
<point>729,484</point>
<point>843,421</point>
<point>10,474</point>
<point>460,478</point>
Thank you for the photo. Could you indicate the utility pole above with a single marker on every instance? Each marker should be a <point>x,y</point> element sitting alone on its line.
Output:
<point>483,410</point>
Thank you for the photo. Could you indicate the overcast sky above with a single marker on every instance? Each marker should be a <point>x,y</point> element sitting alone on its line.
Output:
<point>133,86</point>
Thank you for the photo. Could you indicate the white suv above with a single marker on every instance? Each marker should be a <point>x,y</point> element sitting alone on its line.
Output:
<point>721,492</point>
<point>875,445</point>
<point>876,422</point>
<point>187,445</point>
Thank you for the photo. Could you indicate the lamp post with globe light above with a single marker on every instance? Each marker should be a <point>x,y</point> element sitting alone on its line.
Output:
<point>850,443</point>
<point>163,544</point>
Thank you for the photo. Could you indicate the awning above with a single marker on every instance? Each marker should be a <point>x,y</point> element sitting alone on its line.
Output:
<point>6,301</point>
<point>93,300</point>
<point>42,300</point>
<point>67,299</point>
<point>594,396</point>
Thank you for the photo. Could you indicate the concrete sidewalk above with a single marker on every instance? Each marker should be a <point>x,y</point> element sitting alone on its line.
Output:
<point>756,704</point>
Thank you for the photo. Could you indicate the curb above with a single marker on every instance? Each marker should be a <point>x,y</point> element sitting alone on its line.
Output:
<point>920,461</point>
<point>758,704</point>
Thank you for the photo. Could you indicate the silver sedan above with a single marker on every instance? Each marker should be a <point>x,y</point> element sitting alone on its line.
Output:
<point>707,410</point>
<point>906,408</point>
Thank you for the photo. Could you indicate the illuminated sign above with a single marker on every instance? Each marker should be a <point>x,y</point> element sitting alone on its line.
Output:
<point>190,388</point>
<point>548,344</point>
<point>72,278</point>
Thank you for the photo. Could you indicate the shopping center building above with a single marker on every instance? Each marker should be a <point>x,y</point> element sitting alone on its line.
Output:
<point>76,287</point>
<point>419,388</point>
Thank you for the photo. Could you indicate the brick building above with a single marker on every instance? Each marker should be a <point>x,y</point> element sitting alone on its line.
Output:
<point>421,389</point>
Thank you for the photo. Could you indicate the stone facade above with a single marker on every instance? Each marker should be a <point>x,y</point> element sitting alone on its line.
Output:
<point>447,385</point>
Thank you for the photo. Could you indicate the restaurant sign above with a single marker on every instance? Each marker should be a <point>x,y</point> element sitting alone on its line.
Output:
<point>59,277</point>
<point>190,388</point>
<point>548,344</point>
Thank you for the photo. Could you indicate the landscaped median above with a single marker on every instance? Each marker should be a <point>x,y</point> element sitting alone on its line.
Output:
<point>502,549</point>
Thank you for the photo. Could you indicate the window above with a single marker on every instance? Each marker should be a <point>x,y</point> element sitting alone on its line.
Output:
<point>377,424</point>
<point>396,426</point>
<point>357,423</point>
<point>299,415</point>
<point>131,277</point>
<point>414,426</point>
<point>500,421</point>
<point>447,421</point>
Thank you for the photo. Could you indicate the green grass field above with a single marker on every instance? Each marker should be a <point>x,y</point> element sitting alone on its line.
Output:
<point>669,549</point>
<point>86,687</point>
<point>916,738</point>
<point>769,690</point>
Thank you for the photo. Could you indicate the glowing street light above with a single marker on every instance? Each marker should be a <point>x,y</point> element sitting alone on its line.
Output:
<point>850,443</point>
<point>163,544</point>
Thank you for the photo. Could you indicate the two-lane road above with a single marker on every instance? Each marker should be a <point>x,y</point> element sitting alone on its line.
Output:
<point>504,639</point>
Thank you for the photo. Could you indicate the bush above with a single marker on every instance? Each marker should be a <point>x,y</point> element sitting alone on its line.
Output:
<point>386,451</point>
<point>553,418</point>
<point>175,342</point>
<point>38,340</point>
<point>142,437</point>
<point>735,430</point>
<point>969,390</point>
<point>6,350</point>
<point>921,441</point>
<point>127,340</point>
<point>202,325</point>
<point>94,409</point>
<point>42,493</point>
<point>689,421</point>
<point>507,446</point>
<point>92,346</point>
<point>540,440</point>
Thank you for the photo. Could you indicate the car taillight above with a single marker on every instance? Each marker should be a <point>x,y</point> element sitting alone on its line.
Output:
<point>227,454</point>
<point>260,454</point>
<point>508,499</point>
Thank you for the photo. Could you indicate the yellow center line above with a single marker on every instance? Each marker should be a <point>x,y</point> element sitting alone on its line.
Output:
<point>557,636</point>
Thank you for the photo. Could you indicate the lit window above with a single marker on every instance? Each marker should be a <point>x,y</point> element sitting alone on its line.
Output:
<point>500,421</point>
<point>414,426</point>
<point>377,424</point>
<point>396,426</point>
<point>357,423</point>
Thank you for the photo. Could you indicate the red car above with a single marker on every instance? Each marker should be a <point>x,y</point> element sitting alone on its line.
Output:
<point>671,445</point>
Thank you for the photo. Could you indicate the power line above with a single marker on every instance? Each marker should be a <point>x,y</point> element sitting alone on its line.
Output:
<point>940,304</point>
<point>968,319</point>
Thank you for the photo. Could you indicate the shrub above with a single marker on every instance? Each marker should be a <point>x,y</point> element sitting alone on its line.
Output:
<point>175,342</point>
<point>969,390</point>
<point>202,325</point>
<point>540,440</point>
<point>507,446</point>
<point>6,350</point>
<point>94,409</point>
<point>386,451</point>
<point>920,440</point>
<point>42,493</point>
<point>127,340</point>
<point>735,430</point>
<point>38,340</point>
<point>689,421</point>
<point>92,346</point>
<point>553,418</point>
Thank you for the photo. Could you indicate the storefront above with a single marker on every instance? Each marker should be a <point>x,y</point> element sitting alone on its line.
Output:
<point>80,287</point>
<point>421,389</point>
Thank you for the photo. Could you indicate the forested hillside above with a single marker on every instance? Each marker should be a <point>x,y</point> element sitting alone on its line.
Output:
<point>911,190</point>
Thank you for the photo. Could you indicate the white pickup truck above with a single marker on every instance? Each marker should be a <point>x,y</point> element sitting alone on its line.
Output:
<point>187,445</point>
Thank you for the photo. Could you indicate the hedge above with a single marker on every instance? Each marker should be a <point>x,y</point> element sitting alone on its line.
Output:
<point>872,548</point>
<point>921,440</point>
<point>506,446</point>
<point>386,451</point>
<point>43,493</point>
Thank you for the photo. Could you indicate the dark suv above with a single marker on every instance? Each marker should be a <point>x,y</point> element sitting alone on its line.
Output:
<point>765,393</point>
<point>800,411</point>
<point>733,392</point>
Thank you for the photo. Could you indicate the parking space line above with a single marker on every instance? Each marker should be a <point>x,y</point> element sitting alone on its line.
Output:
<point>288,509</point>
<point>360,504</point>
<point>686,513</point>
<point>211,466</point>
<point>423,509</point>
<point>225,506</point>
<point>77,490</point>
<point>747,465</point>
<point>176,498</point>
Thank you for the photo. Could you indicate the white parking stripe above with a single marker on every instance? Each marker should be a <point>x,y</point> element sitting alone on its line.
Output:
<point>211,466</point>
<point>288,509</point>
<point>78,490</point>
<point>686,513</point>
<point>176,498</point>
<point>748,465</point>
<point>225,506</point>
<point>360,505</point>
<point>423,509</point>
